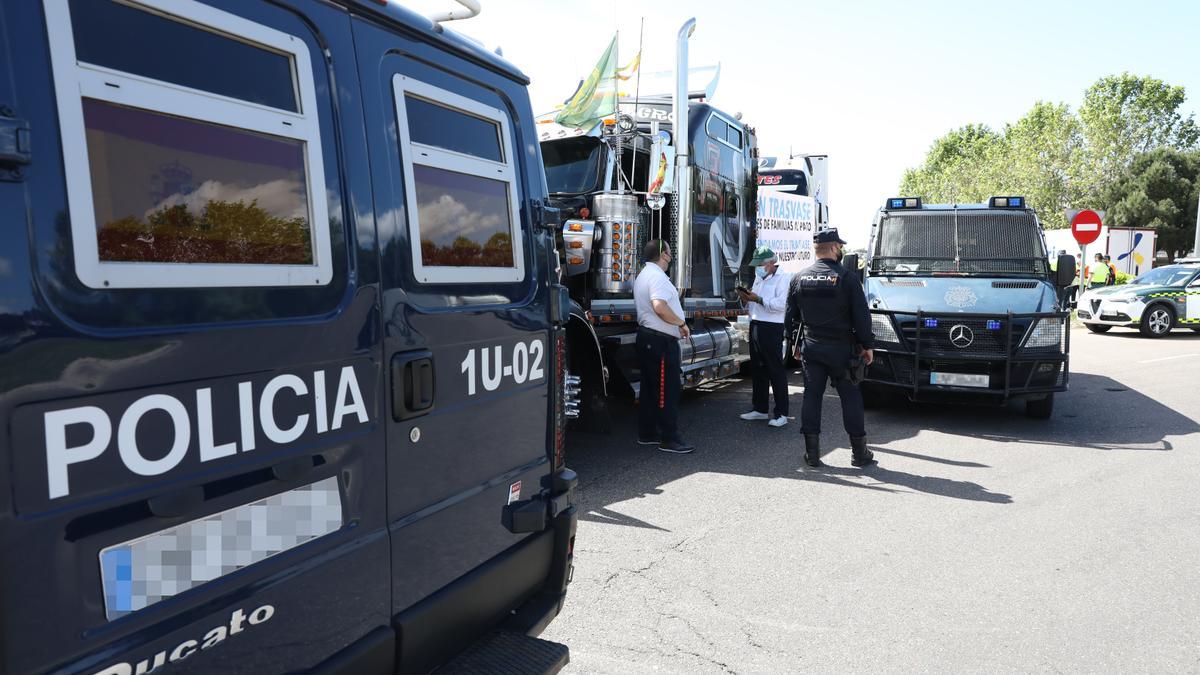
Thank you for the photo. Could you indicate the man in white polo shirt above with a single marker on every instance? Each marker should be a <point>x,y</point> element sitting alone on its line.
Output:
<point>767,303</point>
<point>661,326</point>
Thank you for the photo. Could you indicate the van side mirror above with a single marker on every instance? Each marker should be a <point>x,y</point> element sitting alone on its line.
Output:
<point>850,261</point>
<point>1066,271</point>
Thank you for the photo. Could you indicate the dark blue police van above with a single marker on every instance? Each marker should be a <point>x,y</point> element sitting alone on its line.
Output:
<point>282,366</point>
<point>965,306</point>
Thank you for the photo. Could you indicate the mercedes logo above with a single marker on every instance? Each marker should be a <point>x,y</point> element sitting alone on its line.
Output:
<point>961,336</point>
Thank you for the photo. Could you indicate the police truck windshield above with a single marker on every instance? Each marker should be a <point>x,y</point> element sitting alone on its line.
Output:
<point>977,242</point>
<point>572,164</point>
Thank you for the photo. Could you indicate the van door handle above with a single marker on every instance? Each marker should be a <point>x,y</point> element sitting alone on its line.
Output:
<point>412,384</point>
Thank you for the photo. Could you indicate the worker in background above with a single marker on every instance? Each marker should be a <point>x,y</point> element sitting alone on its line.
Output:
<point>1112,271</point>
<point>828,303</point>
<point>661,325</point>
<point>766,302</point>
<point>1098,271</point>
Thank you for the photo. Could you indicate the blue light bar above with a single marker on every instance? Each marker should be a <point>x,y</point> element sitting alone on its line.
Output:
<point>993,324</point>
<point>904,203</point>
<point>931,323</point>
<point>1007,202</point>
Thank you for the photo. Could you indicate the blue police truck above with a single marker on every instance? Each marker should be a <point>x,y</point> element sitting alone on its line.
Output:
<point>965,306</point>
<point>283,380</point>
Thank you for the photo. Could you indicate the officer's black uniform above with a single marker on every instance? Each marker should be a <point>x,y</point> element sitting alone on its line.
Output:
<point>828,301</point>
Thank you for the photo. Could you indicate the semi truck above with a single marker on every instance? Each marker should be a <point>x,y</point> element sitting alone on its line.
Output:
<point>965,306</point>
<point>666,167</point>
<point>283,374</point>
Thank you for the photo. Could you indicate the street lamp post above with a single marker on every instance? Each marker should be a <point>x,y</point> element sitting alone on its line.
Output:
<point>1196,241</point>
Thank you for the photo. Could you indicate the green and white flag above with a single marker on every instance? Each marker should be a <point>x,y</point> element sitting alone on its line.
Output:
<point>596,97</point>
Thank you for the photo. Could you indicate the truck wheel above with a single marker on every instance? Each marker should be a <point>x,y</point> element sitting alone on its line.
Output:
<point>1098,328</point>
<point>1041,408</point>
<point>1157,321</point>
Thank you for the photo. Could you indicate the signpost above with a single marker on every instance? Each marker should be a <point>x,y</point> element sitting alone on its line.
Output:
<point>1085,226</point>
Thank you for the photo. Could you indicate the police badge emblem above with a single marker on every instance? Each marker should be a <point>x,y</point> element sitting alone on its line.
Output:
<point>961,297</point>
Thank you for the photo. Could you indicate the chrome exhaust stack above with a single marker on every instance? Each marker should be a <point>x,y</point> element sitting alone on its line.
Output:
<point>683,176</point>
<point>470,8</point>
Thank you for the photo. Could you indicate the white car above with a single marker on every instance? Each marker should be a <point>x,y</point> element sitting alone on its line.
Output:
<point>1154,303</point>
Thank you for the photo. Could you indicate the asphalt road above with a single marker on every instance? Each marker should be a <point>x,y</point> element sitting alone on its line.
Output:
<point>983,542</point>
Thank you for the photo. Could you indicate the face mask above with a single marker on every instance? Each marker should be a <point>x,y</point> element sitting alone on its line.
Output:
<point>761,272</point>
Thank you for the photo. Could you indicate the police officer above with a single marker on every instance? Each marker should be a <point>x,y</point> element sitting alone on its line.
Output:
<point>661,325</point>
<point>828,303</point>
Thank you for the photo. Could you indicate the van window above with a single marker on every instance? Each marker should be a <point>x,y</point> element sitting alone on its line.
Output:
<point>141,42</point>
<point>201,175</point>
<point>449,129</point>
<point>461,188</point>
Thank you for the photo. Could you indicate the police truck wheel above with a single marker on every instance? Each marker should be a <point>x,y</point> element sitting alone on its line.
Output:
<point>1098,328</point>
<point>1157,321</point>
<point>1041,408</point>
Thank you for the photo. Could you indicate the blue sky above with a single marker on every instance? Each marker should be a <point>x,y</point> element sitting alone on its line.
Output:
<point>869,83</point>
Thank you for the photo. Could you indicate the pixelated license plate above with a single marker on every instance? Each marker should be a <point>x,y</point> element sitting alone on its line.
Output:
<point>141,572</point>
<point>959,379</point>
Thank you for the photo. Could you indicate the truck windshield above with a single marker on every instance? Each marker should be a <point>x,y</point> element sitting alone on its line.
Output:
<point>960,242</point>
<point>572,164</point>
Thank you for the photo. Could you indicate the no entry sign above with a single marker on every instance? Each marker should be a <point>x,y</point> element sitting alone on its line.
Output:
<point>1085,226</point>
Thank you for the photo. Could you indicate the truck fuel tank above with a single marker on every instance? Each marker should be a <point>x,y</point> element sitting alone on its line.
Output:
<point>617,218</point>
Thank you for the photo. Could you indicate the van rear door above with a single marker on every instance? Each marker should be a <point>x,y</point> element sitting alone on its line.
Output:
<point>466,328</point>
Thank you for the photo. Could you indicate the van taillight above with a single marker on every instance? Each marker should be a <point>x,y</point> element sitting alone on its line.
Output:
<point>560,397</point>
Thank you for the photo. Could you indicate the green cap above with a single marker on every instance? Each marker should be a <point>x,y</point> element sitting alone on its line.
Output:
<point>762,254</point>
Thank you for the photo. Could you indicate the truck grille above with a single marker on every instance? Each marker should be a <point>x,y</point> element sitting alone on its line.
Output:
<point>974,338</point>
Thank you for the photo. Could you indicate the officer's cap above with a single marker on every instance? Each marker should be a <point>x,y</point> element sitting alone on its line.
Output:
<point>828,235</point>
<point>762,254</point>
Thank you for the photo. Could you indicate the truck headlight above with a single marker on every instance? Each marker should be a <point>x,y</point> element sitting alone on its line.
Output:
<point>1045,333</point>
<point>881,327</point>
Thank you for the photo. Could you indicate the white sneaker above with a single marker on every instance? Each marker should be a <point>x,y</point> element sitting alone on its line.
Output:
<point>755,415</point>
<point>778,421</point>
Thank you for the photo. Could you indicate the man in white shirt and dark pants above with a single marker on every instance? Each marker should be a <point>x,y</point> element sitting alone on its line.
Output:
<point>661,326</point>
<point>767,304</point>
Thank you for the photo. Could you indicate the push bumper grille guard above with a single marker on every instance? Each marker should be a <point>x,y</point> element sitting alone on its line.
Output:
<point>1019,345</point>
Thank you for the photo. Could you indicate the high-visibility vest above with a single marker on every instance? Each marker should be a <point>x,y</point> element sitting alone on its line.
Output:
<point>1099,273</point>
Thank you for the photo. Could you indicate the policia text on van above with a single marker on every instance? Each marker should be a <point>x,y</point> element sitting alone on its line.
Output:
<point>964,305</point>
<point>282,362</point>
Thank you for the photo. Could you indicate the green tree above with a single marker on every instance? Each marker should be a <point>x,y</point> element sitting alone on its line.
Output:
<point>1158,189</point>
<point>958,166</point>
<point>1040,160</point>
<point>1057,159</point>
<point>1126,115</point>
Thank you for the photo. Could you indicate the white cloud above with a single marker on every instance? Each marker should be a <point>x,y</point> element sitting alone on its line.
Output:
<point>283,198</point>
<point>446,218</point>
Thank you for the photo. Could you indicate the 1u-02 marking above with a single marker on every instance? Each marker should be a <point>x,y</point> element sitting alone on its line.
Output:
<point>525,365</point>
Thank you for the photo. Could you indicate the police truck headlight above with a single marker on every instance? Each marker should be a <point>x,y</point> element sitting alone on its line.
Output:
<point>881,327</point>
<point>1046,333</point>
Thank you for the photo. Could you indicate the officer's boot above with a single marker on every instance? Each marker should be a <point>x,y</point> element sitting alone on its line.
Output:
<point>812,450</point>
<point>861,456</point>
